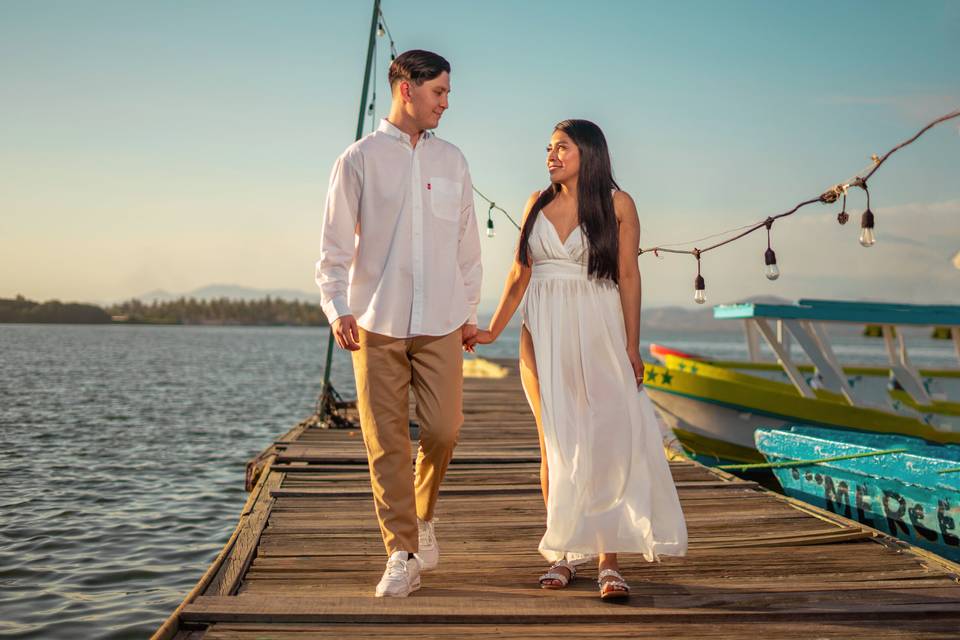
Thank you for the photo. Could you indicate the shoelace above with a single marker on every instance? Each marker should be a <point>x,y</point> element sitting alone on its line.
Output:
<point>426,535</point>
<point>396,568</point>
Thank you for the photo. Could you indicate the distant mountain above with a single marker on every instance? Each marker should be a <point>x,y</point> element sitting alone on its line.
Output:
<point>692,318</point>
<point>231,291</point>
<point>687,318</point>
<point>675,318</point>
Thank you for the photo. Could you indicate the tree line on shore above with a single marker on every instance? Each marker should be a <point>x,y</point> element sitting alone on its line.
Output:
<point>266,311</point>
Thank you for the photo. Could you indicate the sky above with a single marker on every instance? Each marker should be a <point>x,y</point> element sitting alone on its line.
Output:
<point>172,145</point>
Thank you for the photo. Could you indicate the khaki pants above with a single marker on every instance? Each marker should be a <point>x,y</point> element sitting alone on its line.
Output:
<point>385,368</point>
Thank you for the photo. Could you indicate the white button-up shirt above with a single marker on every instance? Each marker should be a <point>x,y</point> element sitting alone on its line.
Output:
<point>400,249</point>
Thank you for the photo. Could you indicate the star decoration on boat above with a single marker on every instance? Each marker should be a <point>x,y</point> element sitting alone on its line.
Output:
<point>667,378</point>
<point>651,375</point>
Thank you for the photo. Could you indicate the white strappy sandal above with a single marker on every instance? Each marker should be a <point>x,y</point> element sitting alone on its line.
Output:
<point>551,574</point>
<point>616,589</point>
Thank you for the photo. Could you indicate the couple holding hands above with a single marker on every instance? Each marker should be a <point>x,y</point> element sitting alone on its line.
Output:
<point>399,276</point>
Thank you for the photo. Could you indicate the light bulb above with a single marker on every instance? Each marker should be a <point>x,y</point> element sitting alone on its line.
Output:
<point>699,290</point>
<point>490,230</point>
<point>380,31</point>
<point>770,259</point>
<point>867,236</point>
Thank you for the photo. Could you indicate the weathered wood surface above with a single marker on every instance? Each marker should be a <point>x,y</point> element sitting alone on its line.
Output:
<point>759,564</point>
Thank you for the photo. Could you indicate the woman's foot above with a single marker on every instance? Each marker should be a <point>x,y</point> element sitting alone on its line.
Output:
<point>559,575</point>
<point>612,585</point>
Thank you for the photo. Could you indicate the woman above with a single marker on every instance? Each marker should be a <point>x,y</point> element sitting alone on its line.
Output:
<point>604,475</point>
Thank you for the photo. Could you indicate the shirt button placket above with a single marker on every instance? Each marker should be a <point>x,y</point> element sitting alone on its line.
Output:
<point>416,318</point>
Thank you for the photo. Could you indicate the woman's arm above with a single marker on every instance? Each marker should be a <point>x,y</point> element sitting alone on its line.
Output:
<point>629,278</point>
<point>513,289</point>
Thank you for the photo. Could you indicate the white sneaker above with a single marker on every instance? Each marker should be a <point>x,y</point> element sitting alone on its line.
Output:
<point>429,553</point>
<point>401,577</point>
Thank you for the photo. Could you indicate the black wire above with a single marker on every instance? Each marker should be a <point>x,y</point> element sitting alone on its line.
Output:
<point>829,196</point>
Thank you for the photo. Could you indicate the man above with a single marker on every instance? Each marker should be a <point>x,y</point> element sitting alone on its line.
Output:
<point>399,276</point>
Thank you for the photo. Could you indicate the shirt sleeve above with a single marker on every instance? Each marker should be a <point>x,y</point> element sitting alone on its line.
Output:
<point>469,251</point>
<point>337,239</point>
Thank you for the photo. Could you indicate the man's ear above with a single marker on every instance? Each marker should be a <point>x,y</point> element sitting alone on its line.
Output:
<point>404,89</point>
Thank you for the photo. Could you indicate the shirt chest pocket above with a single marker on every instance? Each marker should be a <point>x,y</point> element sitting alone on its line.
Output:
<point>445,198</point>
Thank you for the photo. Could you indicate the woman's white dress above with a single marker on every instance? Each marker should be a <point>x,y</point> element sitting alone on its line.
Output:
<point>610,486</point>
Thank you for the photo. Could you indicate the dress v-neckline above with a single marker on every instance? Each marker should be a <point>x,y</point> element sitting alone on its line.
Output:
<point>557,233</point>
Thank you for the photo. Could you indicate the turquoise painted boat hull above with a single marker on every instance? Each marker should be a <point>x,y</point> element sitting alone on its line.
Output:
<point>898,493</point>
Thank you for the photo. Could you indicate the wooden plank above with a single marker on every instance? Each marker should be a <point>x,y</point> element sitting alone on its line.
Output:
<point>871,605</point>
<point>444,489</point>
<point>228,576</point>
<point>861,630</point>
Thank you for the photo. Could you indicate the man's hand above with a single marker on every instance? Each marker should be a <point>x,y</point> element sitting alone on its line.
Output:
<point>346,333</point>
<point>468,337</point>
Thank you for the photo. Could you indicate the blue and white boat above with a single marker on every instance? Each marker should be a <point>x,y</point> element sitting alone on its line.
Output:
<point>897,484</point>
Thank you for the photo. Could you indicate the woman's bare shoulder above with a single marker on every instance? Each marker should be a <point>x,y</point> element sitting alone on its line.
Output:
<point>529,205</point>
<point>624,205</point>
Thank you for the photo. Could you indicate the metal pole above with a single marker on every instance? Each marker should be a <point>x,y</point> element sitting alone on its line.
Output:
<point>360,118</point>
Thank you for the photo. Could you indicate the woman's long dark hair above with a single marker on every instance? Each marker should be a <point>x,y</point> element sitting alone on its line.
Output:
<point>595,185</point>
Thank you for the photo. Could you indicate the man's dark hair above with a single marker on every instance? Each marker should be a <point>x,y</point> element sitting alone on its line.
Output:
<point>417,66</point>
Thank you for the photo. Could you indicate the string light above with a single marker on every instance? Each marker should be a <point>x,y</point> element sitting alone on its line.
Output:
<point>867,236</point>
<point>372,109</point>
<point>867,220</point>
<point>769,257</point>
<point>384,29</point>
<point>843,216</point>
<point>494,205</point>
<point>699,286</point>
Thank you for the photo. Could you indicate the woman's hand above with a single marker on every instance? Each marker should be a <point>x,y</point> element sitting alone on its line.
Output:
<point>485,337</point>
<point>637,363</point>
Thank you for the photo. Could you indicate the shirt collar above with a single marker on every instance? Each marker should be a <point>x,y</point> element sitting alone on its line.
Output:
<point>388,128</point>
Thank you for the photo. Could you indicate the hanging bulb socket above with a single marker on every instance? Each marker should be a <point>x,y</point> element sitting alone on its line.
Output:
<point>699,286</point>
<point>491,232</point>
<point>699,290</point>
<point>843,216</point>
<point>772,271</point>
<point>867,236</point>
<point>769,257</point>
<point>380,31</point>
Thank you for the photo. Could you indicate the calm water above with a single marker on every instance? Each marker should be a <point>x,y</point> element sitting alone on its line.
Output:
<point>122,453</point>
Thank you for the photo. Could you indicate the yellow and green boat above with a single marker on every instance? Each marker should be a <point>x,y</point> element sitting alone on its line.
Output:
<point>714,407</point>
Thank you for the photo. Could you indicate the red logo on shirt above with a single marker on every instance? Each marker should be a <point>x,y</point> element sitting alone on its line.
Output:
<point>428,186</point>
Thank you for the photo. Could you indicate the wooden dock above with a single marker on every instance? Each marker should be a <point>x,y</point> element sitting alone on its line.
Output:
<point>306,555</point>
